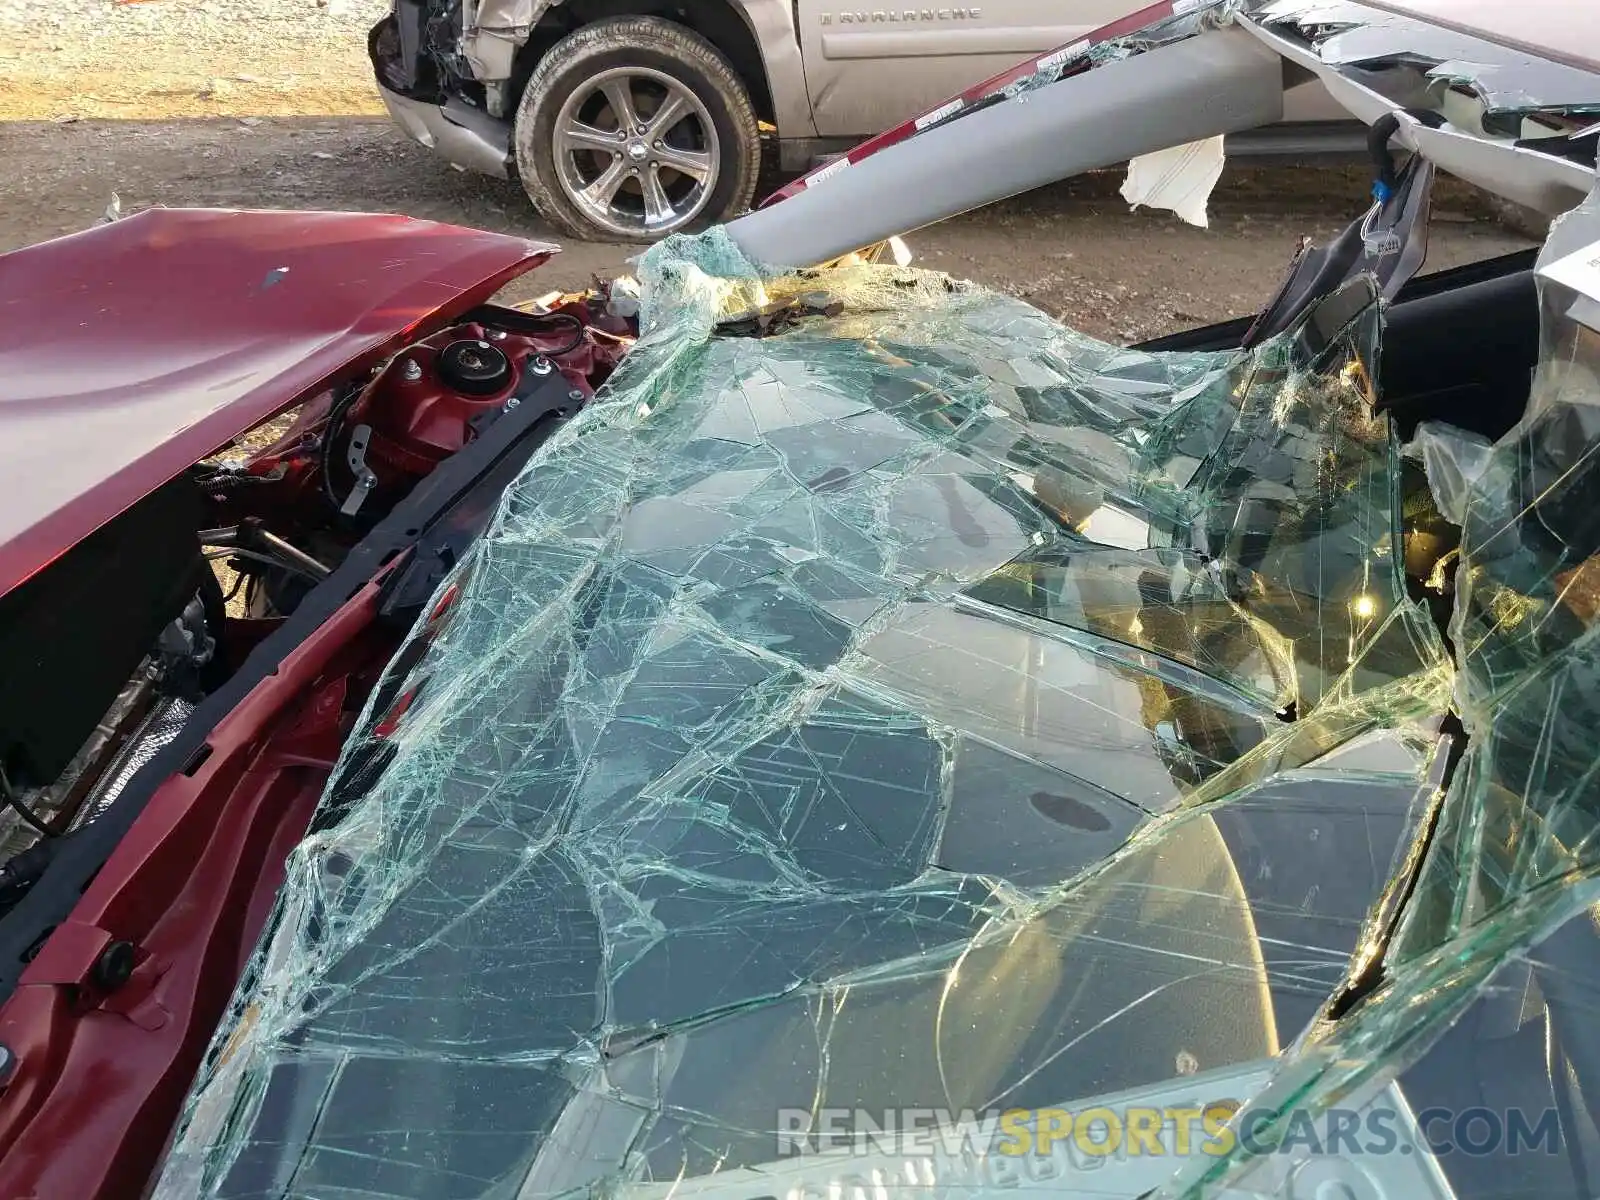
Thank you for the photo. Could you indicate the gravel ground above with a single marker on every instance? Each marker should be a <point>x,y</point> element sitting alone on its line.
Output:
<point>269,103</point>
<point>185,58</point>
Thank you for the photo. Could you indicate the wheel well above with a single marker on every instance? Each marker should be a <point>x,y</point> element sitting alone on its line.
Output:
<point>718,21</point>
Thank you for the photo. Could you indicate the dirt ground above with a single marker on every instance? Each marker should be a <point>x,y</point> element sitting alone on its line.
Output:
<point>185,58</point>
<point>269,103</point>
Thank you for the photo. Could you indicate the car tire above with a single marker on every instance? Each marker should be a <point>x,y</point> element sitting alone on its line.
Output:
<point>572,98</point>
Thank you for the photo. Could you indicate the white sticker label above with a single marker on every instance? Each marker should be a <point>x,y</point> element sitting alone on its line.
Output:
<point>827,172</point>
<point>940,113</point>
<point>1179,7</point>
<point>1579,271</point>
<point>1064,55</point>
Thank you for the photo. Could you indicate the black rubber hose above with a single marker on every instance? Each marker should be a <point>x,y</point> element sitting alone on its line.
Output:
<point>1384,128</point>
<point>21,809</point>
<point>529,324</point>
<point>215,606</point>
<point>330,433</point>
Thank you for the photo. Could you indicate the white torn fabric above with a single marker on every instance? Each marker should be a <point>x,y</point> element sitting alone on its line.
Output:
<point>1179,179</point>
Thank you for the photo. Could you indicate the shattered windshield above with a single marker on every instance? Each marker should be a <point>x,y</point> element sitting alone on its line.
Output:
<point>917,747</point>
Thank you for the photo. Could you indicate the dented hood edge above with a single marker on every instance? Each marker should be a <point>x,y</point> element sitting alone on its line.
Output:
<point>135,349</point>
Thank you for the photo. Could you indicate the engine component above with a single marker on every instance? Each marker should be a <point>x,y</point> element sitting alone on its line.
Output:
<point>251,540</point>
<point>177,669</point>
<point>474,368</point>
<point>431,401</point>
<point>38,812</point>
<point>279,572</point>
<point>186,644</point>
<point>160,726</point>
<point>136,574</point>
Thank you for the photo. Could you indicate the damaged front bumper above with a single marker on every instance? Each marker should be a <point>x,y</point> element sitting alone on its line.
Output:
<point>465,137</point>
<point>407,79</point>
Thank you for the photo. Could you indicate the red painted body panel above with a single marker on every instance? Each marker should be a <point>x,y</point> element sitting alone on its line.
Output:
<point>417,424</point>
<point>134,349</point>
<point>98,1079</point>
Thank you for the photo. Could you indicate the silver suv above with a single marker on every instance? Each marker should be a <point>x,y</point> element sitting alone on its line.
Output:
<point>632,119</point>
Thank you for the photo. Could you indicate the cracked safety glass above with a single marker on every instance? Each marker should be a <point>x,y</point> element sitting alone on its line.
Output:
<point>1465,1026</point>
<point>923,706</point>
<point>926,709</point>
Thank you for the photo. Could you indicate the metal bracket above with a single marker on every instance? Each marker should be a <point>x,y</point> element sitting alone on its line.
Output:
<point>111,975</point>
<point>356,459</point>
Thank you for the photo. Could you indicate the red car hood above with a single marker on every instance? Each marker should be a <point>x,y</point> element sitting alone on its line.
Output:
<point>134,349</point>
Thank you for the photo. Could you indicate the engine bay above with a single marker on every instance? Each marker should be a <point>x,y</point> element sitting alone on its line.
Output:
<point>207,566</point>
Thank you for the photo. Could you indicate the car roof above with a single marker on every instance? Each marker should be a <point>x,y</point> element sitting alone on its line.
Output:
<point>1563,30</point>
<point>1469,85</point>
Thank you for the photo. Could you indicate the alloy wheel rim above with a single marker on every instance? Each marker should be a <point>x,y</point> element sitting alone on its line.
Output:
<point>636,151</point>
